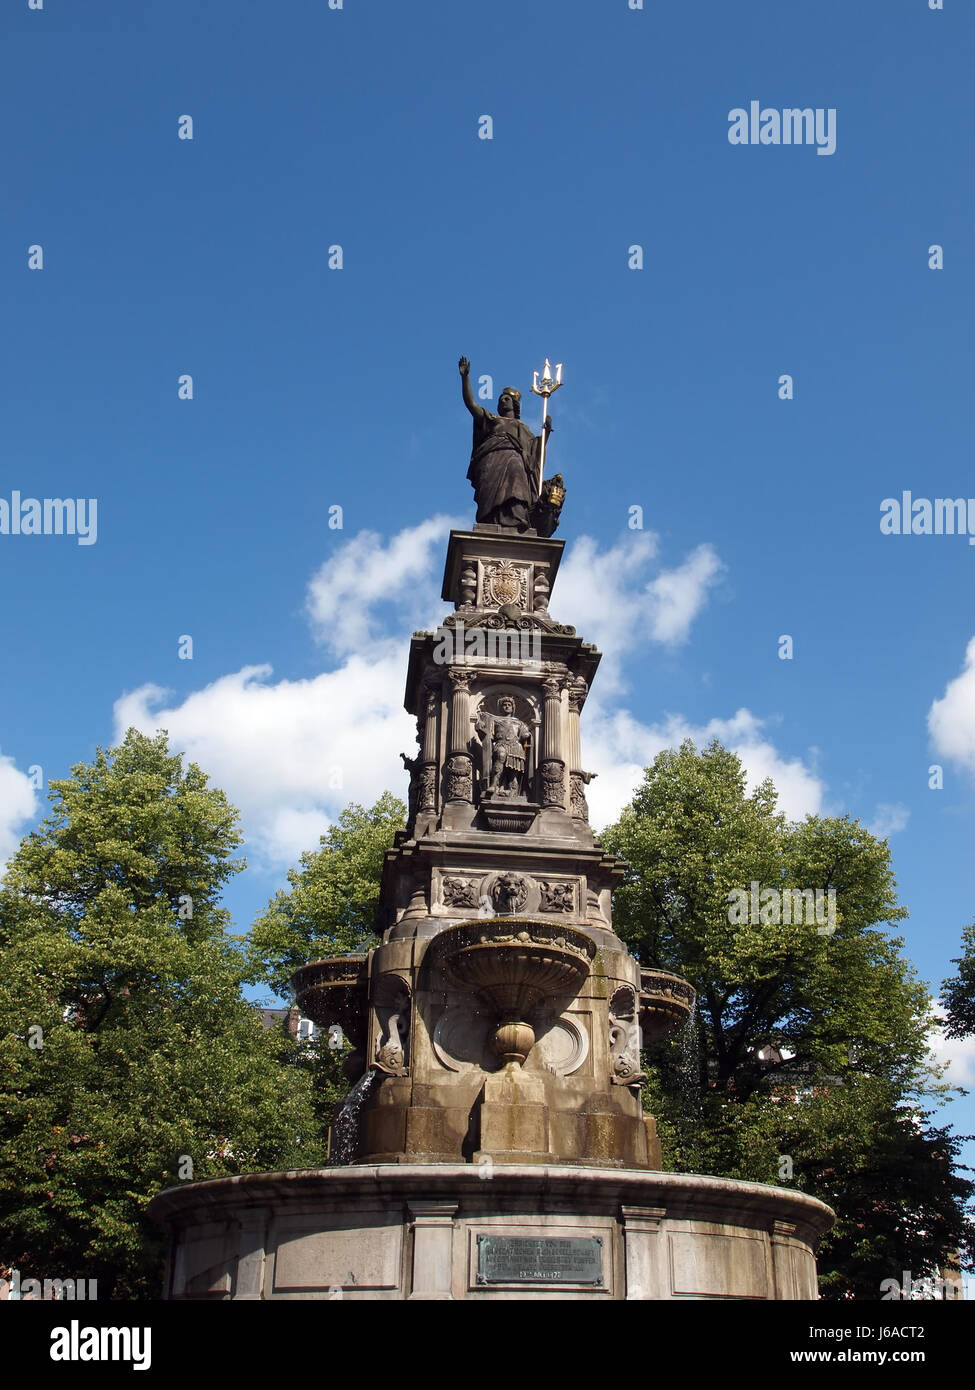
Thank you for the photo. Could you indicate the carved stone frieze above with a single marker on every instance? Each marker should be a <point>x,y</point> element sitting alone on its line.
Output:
<point>460,892</point>
<point>555,896</point>
<point>526,622</point>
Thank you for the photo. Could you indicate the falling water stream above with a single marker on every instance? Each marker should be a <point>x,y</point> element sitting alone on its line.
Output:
<point>689,1065</point>
<point>345,1129</point>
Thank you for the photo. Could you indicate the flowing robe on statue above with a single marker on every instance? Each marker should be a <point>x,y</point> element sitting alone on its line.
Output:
<point>503,469</point>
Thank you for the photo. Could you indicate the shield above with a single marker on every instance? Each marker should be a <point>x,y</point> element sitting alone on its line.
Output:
<point>504,584</point>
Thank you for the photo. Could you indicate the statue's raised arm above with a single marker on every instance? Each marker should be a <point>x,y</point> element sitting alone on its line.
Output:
<point>464,367</point>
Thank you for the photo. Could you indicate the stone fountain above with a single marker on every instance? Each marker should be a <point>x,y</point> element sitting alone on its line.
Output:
<point>495,1145</point>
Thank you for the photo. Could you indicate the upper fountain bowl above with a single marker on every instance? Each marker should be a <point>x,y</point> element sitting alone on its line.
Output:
<point>333,991</point>
<point>666,1003</point>
<point>515,963</point>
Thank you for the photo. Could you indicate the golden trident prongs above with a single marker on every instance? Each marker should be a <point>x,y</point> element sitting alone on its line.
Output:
<point>545,388</point>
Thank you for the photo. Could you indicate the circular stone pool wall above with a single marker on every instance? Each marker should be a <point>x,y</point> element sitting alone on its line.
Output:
<point>488,1231</point>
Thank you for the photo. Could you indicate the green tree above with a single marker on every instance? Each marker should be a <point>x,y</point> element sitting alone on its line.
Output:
<point>128,1052</point>
<point>958,992</point>
<point>807,1061</point>
<point>334,897</point>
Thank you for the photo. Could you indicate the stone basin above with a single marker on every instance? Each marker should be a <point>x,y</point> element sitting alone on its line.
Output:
<point>333,991</point>
<point>666,1003</point>
<point>515,964</point>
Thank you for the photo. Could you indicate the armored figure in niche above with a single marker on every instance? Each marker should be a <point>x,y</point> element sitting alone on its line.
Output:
<point>504,468</point>
<point>504,742</point>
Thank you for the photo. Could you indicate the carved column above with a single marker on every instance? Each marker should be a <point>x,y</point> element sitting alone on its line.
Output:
<point>540,590</point>
<point>468,586</point>
<point>553,755</point>
<point>427,783</point>
<point>578,690</point>
<point>458,771</point>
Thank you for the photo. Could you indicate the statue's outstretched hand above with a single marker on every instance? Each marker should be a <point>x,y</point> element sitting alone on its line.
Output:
<point>548,424</point>
<point>464,366</point>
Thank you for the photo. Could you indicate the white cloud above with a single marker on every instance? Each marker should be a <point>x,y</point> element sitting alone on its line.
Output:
<point>289,754</point>
<point>951,720</point>
<point>610,598</point>
<point>618,747</point>
<point>365,575</point>
<point>18,804</point>
<point>959,1053</point>
<point>888,819</point>
<point>677,596</point>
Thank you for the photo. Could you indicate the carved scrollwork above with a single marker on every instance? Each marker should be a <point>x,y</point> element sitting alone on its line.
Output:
<point>518,930</point>
<point>491,618</point>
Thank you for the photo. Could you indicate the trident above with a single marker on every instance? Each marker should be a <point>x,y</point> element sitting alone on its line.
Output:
<point>545,387</point>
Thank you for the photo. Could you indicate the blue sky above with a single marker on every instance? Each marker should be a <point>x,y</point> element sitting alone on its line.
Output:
<point>315,387</point>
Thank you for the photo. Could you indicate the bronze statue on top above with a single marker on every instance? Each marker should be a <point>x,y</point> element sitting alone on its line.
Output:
<point>505,465</point>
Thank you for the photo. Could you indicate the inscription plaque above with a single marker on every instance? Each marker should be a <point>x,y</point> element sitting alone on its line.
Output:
<point>543,1260</point>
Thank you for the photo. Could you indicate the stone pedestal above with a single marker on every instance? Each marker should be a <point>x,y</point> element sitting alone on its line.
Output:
<point>514,1119</point>
<point>489,1232</point>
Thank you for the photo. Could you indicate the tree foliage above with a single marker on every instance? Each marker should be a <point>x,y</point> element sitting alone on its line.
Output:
<point>958,992</point>
<point>334,897</point>
<point>127,1047</point>
<point>807,1061</point>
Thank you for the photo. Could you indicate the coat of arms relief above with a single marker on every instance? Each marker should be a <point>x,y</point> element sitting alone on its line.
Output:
<point>504,583</point>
